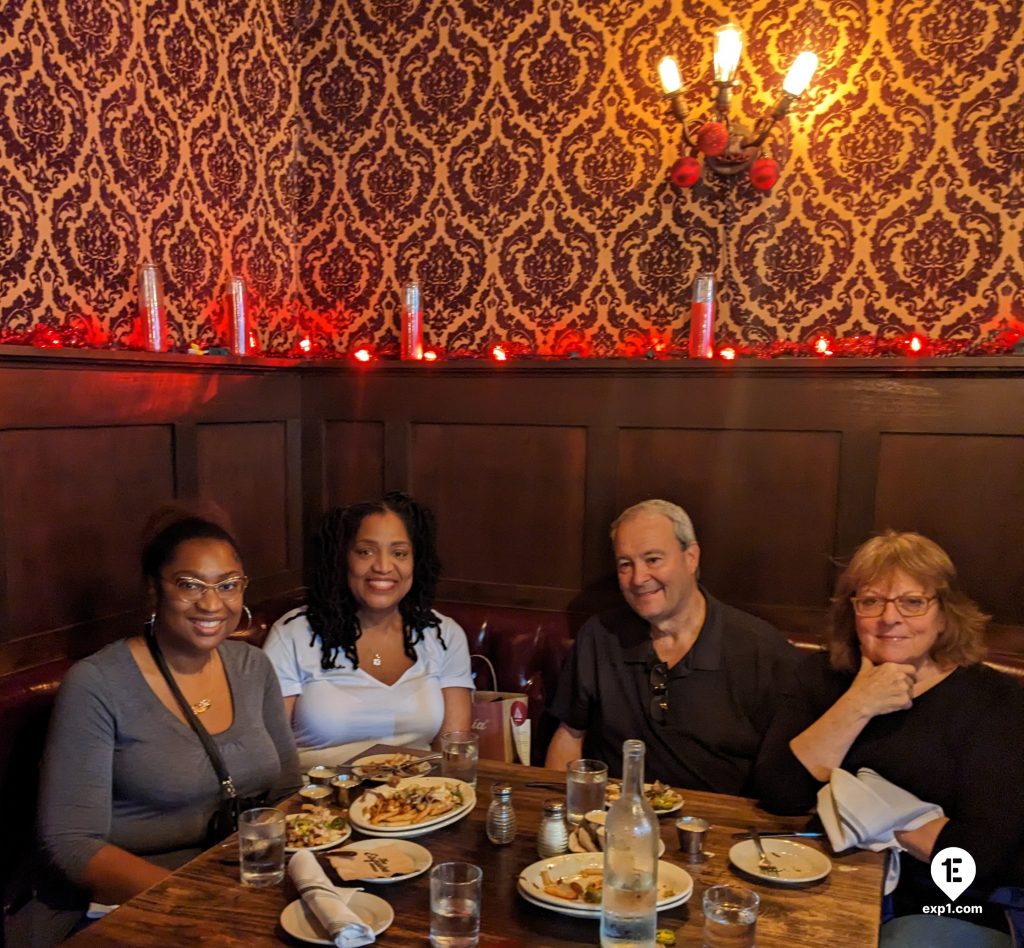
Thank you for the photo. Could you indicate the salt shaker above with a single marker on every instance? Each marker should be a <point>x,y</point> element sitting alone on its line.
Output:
<point>553,833</point>
<point>501,818</point>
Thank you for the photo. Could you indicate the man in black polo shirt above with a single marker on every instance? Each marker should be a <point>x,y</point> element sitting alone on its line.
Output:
<point>693,678</point>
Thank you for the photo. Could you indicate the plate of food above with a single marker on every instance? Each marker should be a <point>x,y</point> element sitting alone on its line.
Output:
<point>662,798</point>
<point>575,882</point>
<point>315,828</point>
<point>588,837</point>
<point>796,862</point>
<point>382,767</point>
<point>380,860</point>
<point>301,923</point>
<point>414,806</point>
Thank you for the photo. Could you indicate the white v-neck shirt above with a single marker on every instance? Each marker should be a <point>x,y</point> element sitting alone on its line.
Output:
<point>341,711</point>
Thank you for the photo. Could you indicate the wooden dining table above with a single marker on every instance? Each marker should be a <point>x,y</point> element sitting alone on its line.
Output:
<point>203,903</point>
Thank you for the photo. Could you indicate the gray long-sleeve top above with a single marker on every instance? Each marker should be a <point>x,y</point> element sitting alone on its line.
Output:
<point>120,768</point>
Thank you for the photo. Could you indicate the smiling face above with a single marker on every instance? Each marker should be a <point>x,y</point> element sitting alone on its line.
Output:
<point>202,625</point>
<point>657,576</point>
<point>891,637</point>
<point>380,563</point>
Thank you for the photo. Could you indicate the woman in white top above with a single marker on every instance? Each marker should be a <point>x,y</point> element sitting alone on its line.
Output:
<point>367,660</point>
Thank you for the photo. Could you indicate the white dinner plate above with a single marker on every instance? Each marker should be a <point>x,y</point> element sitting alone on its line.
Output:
<point>797,863</point>
<point>673,876</point>
<point>345,834</point>
<point>575,847</point>
<point>420,855</point>
<point>663,812</point>
<point>591,913</point>
<point>301,923</point>
<point>357,814</point>
<point>411,767</point>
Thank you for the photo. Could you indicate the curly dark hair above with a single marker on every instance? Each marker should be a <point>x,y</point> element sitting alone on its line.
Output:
<point>332,610</point>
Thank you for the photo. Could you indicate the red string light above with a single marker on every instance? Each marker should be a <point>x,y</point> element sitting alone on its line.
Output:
<point>499,354</point>
<point>362,355</point>
<point>728,353</point>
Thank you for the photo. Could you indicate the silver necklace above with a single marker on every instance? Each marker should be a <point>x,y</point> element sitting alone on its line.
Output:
<point>376,661</point>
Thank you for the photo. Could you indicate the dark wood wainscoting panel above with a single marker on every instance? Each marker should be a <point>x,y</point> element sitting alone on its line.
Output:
<point>74,501</point>
<point>244,468</point>
<point>509,500</point>
<point>966,492</point>
<point>763,504</point>
<point>353,461</point>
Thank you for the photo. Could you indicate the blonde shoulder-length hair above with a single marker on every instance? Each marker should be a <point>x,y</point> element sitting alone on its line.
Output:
<point>960,642</point>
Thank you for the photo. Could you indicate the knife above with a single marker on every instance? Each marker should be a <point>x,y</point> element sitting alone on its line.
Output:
<point>779,835</point>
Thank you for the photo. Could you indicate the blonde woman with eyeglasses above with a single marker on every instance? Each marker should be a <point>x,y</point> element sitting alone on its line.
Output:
<point>902,690</point>
<point>128,789</point>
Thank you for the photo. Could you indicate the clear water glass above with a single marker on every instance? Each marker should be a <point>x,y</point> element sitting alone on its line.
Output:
<point>730,916</point>
<point>585,785</point>
<point>261,836</point>
<point>455,889</point>
<point>460,752</point>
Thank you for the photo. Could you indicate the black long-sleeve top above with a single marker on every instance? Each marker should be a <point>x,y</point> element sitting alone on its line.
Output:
<point>961,746</point>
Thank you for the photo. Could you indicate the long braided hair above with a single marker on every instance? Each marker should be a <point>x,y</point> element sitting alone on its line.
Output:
<point>331,609</point>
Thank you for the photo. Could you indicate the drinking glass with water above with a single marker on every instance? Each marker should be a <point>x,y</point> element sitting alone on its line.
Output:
<point>460,752</point>
<point>261,836</point>
<point>455,905</point>
<point>730,916</point>
<point>585,784</point>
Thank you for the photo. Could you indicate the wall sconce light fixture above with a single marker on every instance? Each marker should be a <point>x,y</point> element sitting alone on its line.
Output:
<point>728,147</point>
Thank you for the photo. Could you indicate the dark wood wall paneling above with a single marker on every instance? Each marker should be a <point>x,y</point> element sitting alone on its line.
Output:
<point>90,446</point>
<point>783,466</point>
<point>785,469</point>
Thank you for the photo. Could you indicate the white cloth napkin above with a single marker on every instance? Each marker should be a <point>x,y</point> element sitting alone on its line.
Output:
<point>867,811</point>
<point>329,903</point>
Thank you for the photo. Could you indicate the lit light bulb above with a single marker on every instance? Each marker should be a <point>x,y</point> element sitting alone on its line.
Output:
<point>728,353</point>
<point>362,355</point>
<point>305,345</point>
<point>728,46</point>
<point>498,353</point>
<point>430,356</point>
<point>671,81</point>
<point>799,75</point>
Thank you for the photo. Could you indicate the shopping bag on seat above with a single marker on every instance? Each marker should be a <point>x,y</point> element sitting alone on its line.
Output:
<point>502,723</point>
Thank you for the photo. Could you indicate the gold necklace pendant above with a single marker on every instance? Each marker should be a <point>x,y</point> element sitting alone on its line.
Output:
<point>201,706</point>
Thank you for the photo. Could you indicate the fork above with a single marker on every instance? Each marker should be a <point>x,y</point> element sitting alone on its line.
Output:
<point>763,862</point>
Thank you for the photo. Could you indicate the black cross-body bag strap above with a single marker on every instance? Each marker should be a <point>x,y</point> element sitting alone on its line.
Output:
<point>227,786</point>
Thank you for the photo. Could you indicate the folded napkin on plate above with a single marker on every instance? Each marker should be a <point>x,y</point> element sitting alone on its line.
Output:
<point>381,862</point>
<point>328,903</point>
<point>867,811</point>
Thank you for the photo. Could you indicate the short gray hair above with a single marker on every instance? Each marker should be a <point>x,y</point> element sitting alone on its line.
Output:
<point>682,525</point>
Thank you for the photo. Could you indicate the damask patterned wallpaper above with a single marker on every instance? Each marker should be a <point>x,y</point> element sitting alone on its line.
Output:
<point>514,158</point>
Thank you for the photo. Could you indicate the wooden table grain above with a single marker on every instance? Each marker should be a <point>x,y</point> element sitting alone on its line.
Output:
<point>203,903</point>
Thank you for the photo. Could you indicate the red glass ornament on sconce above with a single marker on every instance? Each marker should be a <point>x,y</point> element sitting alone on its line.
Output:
<point>728,147</point>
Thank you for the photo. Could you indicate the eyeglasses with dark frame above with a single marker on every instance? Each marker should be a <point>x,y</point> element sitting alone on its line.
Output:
<point>910,607</point>
<point>190,589</point>
<point>659,692</point>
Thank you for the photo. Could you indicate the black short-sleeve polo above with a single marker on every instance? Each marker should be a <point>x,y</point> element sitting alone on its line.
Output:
<point>720,696</point>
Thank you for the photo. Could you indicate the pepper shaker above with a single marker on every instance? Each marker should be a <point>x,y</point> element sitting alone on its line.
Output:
<point>553,833</point>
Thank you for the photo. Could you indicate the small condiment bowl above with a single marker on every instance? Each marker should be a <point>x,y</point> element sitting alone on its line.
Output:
<point>346,788</point>
<point>316,793</point>
<point>322,775</point>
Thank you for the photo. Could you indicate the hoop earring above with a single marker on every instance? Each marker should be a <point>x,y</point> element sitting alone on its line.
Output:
<point>248,624</point>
